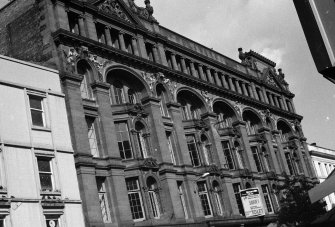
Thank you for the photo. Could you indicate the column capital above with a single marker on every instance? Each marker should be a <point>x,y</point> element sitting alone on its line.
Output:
<point>107,27</point>
<point>134,37</point>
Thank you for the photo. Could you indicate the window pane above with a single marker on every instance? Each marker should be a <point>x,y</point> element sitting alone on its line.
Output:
<point>37,117</point>
<point>46,182</point>
<point>44,165</point>
<point>35,102</point>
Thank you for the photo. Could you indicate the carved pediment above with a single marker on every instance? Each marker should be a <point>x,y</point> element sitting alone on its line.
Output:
<point>150,163</point>
<point>113,7</point>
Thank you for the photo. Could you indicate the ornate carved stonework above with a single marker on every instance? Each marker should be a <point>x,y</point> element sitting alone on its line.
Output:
<point>239,108</point>
<point>265,114</point>
<point>113,7</point>
<point>213,169</point>
<point>145,13</point>
<point>137,110</point>
<point>150,163</point>
<point>70,59</point>
<point>269,79</point>
<point>208,98</point>
<point>151,80</point>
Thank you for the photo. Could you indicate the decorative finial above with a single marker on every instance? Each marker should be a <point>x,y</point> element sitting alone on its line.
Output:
<point>280,71</point>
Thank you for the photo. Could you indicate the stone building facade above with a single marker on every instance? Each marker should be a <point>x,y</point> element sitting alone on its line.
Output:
<point>165,131</point>
<point>38,182</point>
<point>323,160</point>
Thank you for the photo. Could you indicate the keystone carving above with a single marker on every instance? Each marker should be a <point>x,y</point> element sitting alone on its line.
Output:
<point>208,99</point>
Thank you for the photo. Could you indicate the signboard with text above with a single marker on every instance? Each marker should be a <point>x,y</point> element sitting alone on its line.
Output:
<point>252,202</point>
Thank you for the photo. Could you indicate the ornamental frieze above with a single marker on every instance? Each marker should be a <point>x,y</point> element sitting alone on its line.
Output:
<point>113,7</point>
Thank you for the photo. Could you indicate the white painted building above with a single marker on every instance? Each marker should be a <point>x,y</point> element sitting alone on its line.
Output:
<point>38,183</point>
<point>324,163</point>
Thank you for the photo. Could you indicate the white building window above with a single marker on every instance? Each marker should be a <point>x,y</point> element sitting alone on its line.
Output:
<point>103,200</point>
<point>182,198</point>
<point>37,111</point>
<point>135,199</point>
<point>92,136</point>
<point>267,198</point>
<point>45,173</point>
<point>204,199</point>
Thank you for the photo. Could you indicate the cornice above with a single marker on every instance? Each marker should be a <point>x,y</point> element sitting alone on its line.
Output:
<point>62,36</point>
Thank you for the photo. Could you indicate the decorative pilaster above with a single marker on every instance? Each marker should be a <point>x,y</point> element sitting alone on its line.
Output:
<point>231,85</point>
<point>121,39</point>
<point>193,71</point>
<point>254,91</point>
<point>108,36</point>
<point>244,88</point>
<point>201,72</point>
<point>174,61</point>
<point>183,65</point>
<point>217,79</point>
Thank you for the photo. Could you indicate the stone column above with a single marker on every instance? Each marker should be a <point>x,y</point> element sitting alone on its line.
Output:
<point>82,30</point>
<point>265,98</point>
<point>134,45</point>
<point>160,148</point>
<point>174,61</point>
<point>209,75</point>
<point>155,51</point>
<point>121,38</point>
<point>225,85</point>
<point>281,103</point>
<point>108,36</point>
<point>238,88</point>
<point>250,91</point>
<point>254,91</point>
<point>193,71</point>
<point>276,100</point>
<point>292,105</point>
<point>230,81</point>
<point>161,53</point>
<point>244,89</point>
<point>284,103</point>
<point>271,99</point>
<point>247,154</point>
<point>182,149</point>
<point>201,72</point>
<point>217,79</point>
<point>79,136</point>
<point>183,65</point>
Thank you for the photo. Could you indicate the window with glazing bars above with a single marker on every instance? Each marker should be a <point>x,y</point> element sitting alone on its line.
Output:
<point>169,138</point>
<point>103,200</point>
<point>267,198</point>
<point>135,199</point>
<point>193,150</point>
<point>45,173</point>
<point>204,198</point>
<point>289,163</point>
<point>37,110</point>
<point>228,155</point>
<point>92,136</point>
<point>123,140</point>
<point>237,188</point>
<point>256,156</point>
<point>182,197</point>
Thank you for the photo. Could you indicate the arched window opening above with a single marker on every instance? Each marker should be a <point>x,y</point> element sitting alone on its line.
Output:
<point>206,147</point>
<point>84,69</point>
<point>284,130</point>
<point>161,93</point>
<point>239,155</point>
<point>125,87</point>
<point>191,105</point>
<point>142,139</point>
<point>225,114</point>
<point>154,198</point>
<point>217,197</point>
<point>253,123</point>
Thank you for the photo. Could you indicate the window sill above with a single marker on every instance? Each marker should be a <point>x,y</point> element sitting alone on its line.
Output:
<point>51,193</point>
<point>39,128</point>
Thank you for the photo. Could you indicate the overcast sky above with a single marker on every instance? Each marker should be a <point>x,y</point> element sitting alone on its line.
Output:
<point>269,27</point>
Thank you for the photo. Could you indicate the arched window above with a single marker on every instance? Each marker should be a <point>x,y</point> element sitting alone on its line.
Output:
<point>142,139</point>
<point>154,198</point>
<point>217,197</point>
<point>191,105</point>
<point>206,147</point>
<point>161,93</point>
<point>252,121</point>
<point>285,131</point>
<point>83,68</point>
<point>225,114</point>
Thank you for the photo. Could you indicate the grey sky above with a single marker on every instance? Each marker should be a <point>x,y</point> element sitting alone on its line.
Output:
<point>269,27</point>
